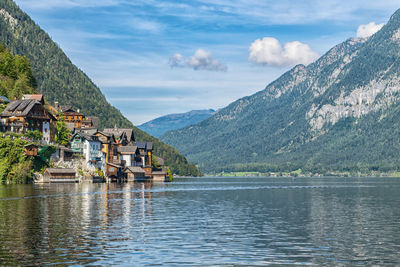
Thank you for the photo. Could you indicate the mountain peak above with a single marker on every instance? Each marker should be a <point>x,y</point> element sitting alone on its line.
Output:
<point>395,16</point>
<point>160,125</point>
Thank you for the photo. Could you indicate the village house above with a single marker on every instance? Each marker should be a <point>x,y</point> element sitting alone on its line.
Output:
<point>90,147</point>
<point>133,153</point>
<point>123,136</point>
<point>113,163</point>
<point>108,145</point>
<point>29,114</point>
<point>114,150</point>
<point>74,119</point>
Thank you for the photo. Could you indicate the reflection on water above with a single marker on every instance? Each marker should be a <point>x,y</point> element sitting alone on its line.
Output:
<point>203,221</point>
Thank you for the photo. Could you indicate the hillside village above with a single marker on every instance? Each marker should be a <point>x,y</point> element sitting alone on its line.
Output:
<point>110,155</point>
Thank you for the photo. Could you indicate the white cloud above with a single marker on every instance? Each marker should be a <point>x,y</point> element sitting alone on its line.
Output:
<point>368,30</point>
<point>201,60</point>
<point>269,51</point>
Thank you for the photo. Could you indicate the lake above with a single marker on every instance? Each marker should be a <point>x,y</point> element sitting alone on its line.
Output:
<point>203,221</point>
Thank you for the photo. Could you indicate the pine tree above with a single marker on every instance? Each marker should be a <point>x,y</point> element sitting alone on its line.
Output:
<point>62,132</point>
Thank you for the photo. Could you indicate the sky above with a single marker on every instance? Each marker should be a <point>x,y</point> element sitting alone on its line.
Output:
<point>155,57</point>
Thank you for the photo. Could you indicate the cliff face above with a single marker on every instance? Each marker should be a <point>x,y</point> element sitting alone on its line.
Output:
<point>60,80</point>
<point>334,114</point>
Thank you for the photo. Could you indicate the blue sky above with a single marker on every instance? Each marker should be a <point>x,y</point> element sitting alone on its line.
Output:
<point>155,57</point>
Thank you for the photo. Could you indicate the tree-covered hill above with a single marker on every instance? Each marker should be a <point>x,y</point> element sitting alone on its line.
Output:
<point>60,80</point>
<point>340,113</point>
<point>170,122</point>
<point>16,76</point>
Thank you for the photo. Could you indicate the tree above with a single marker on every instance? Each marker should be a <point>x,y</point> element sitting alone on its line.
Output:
<point>62,132</point>
<point>34,135</point>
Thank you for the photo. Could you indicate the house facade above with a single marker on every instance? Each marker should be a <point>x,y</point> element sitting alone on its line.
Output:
<point>73,118</point>
<point>25,115</point>
<point>108,145</point>
<point>130,155</point>
<point>90,147</point>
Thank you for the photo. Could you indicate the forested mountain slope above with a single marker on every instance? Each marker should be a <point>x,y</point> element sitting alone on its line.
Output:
<point>340,113</point>
<point>170,122</point>
<point>60,80</point>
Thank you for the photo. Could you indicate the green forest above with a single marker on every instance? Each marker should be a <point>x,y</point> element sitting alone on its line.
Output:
<point>60,80</point>
<point>16,76</point>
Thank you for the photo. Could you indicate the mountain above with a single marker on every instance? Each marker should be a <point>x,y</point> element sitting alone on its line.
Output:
<point>340,113</point>
<point>60,80</point>
<point>159,126</point>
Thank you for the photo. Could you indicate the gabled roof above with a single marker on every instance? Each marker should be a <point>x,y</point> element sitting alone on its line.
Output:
<point>113,165</point>
<point>141,145</point>
<point>110,136</point>
<point>144,145</point>
<point>134,169</point>
<point>20,108</point>
<point>88,137</point>
<point>69,109</point>
<point>127,149</point>
<point>118,132</point>
<point>33,97</point>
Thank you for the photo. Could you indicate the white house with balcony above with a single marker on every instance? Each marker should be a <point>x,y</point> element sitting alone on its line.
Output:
<point>90,147</point>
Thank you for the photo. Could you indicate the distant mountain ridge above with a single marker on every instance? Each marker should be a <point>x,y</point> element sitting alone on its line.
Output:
<point>60,80</point>
<point>340,113</point>
<point>166,123</point>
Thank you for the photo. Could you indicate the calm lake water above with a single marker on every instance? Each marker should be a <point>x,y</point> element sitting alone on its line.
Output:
<point>203,221</point>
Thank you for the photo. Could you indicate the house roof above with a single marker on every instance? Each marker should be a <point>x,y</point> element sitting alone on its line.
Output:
<point>33,97</point>
<point>127,149</point>
<point>113,165</point>
<point>69,109</point>
<point>134,169</point>
<point>141,145</point>
<point>118,132</point>
<point>110,136</point>
<point>90,131</point>
<point>144,145</point>
<point>88,137</point>
<point>95,121</point>
<point>159,173</point>
<point>20,108</point>
<point>56,170</point>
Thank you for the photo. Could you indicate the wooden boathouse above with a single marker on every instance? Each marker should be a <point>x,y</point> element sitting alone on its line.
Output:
<point>53,175</point>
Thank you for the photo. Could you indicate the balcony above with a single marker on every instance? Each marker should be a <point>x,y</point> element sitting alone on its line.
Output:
<point>77,148</point>
<point>96,155</point>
